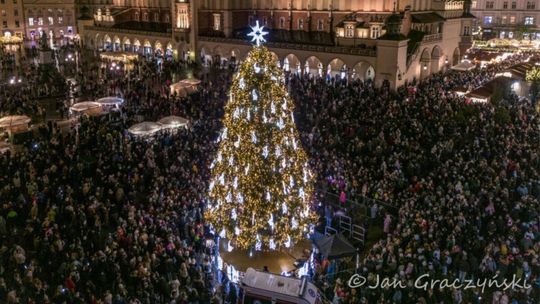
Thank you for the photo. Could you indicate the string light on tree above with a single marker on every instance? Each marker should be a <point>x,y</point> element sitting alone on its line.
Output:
<point>261,201</point>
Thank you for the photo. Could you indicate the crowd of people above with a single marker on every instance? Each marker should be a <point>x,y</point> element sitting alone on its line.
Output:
<point>463,180</point>
<point>96,216</point>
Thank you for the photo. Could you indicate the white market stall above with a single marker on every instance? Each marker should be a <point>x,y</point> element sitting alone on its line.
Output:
<point>185,87</point>
<point>145,128</point>
<point>465,65</point>
<point>15,123</point>
<point>110,102</point>
<point>173,122</point>
<point>85,107</point>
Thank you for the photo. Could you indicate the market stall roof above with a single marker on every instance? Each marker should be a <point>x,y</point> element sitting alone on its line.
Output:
<point>518,71</point>
<point>334,246</point>
<point>84,105</point>
<point>173,122</point>
<point>486,91</point>
<point>191,81</point>
<point>144,128</point>
<point>464,66</point>
<point>14,120</point>
<point>110,101</point>
<point>184,87</point>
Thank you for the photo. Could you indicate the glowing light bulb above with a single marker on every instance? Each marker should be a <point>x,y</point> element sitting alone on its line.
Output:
<point>253,137</point>
<point>272,244</point>
<point>271,222</point>
<point>288,242</point>
<point>222,179</point>
<point>258,244</point>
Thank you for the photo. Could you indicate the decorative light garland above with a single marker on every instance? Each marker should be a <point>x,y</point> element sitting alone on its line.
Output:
<point>261,186</point>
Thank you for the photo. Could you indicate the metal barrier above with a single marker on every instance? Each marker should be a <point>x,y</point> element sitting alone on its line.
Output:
<point>352,231</point>
<point>328,230</point>
<point>358,233</point>
<point>345,224</point>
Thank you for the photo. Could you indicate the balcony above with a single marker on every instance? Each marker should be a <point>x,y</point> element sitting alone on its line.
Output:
<point>432,37</point>
<point>368,52</point>
<point>126,31</point>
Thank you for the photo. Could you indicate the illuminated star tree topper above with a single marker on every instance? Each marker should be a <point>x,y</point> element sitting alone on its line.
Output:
<point>258,34</point>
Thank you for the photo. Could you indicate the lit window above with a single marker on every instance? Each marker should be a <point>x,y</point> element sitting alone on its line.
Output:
<point>300,24</point>
<point>51,20</point>
<point>503,20</point>
<point>375,32</point>
<point>60,20</point>
<point>488,19</point>
<point>4,13</point>
<point>349,30</point>
<point>529,20</point>
<point>31,21</point>
<point>320,25</point>
<point>512,19</point>
<point>40,21</point>
<point>217,22</point>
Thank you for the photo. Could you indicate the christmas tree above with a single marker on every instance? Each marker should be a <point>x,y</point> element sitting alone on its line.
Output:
<point>260,186</point>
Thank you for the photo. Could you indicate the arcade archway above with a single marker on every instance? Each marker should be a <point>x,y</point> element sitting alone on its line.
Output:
<point>313,66</point>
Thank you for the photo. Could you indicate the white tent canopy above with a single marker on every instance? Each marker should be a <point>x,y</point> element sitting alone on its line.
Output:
<point>110,101</point>
<point>144,128</point>
<point>173,122</point>
<point>84,107</point>
<point>185,87</point>
<point>464,66</point>
<point>13,121</point>
<point>191,81</point>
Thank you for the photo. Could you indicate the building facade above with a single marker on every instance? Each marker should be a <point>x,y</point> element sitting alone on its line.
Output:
<point>55,18</point>
<point>12,23</point>
<point>386,41</point>
<point>507,19</point>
